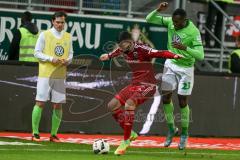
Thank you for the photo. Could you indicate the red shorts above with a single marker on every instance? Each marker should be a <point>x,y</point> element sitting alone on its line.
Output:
<point>138,93</point>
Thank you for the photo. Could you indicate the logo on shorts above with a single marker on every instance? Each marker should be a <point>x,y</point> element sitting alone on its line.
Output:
<point>176,38</point>
<point>186,85</point>
<point>59,50</point>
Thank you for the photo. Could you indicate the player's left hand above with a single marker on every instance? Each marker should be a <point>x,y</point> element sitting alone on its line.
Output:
<point>179,46</point>
<point>64,62</point>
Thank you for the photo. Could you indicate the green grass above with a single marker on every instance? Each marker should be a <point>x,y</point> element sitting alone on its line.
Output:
<point>68,151</point>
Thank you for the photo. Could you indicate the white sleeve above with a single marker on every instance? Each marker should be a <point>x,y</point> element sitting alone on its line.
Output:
<point>70,57</point>
<point>38,53</point>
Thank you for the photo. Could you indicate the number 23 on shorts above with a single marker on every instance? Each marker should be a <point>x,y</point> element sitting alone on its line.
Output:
<point>186,85</point>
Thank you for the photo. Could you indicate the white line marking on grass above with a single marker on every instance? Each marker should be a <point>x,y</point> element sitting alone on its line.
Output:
<point>2,143</point>
<point>135,152</point>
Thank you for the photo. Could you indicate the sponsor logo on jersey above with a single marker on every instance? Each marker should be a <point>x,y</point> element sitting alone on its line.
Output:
<point>59,51</point>
<point>176,38</point>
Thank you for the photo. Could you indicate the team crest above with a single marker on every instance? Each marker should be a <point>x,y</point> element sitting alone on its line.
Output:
<point>176,38</point>
<point>59,51</point>
<point>135,55</point>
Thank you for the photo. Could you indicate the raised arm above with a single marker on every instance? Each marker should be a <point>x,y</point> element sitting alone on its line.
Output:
<point>155,18</point>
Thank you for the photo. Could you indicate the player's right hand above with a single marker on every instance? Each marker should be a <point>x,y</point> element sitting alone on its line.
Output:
<point>162,6</point>
<point>56,61</point>
<point>104,57</point>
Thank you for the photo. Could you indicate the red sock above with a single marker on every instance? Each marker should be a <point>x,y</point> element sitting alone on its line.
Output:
<point>118,115</point>
<point>129,117</point>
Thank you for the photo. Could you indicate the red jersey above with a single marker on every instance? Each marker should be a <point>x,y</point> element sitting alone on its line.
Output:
<point>139,61</point>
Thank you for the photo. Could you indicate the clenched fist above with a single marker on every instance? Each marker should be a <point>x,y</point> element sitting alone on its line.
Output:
<point>104,57</point>
<point>162,6</point>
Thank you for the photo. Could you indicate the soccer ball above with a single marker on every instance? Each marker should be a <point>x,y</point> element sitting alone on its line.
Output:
<point>101,146</point>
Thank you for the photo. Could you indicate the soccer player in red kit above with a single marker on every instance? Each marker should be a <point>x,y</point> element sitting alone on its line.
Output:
<point>142,87</point>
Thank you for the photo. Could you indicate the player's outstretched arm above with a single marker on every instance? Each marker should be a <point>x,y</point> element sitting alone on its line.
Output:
<point>163,54</point>
<point>115,53</point>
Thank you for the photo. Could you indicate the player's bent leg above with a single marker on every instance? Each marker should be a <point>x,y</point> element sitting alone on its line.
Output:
<point>114,106</point>
<point>56,121</point>
<point>36,117</point>
<point>130,106</point>
<point>118,114</point>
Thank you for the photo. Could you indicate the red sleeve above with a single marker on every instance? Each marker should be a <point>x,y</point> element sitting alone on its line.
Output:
<point>114,53</point>
<point>161,54</point>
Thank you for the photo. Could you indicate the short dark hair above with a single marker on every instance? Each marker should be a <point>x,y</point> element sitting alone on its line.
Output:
<point>180,12</point>
<point>124,35</point>
<point>26,17</point>
<point>59,14</point>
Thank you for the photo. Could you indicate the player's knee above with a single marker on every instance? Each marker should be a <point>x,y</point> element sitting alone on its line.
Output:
<point>166,99</point>
<point>40,104</point>
<point>57,106</point>
<point>183,104</point>
<point>130,105</point>
<point>110,106</point>
<point>182,100</point>
<point>113,105</point>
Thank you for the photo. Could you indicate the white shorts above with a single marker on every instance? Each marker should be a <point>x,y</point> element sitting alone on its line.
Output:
<point>55,88</point>
<point>175,77</point>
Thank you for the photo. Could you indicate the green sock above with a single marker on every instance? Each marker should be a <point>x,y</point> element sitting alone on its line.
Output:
<point>185,119</point>
<point>168,111</point>
<point>36,117</point>
<point>56,120</point>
